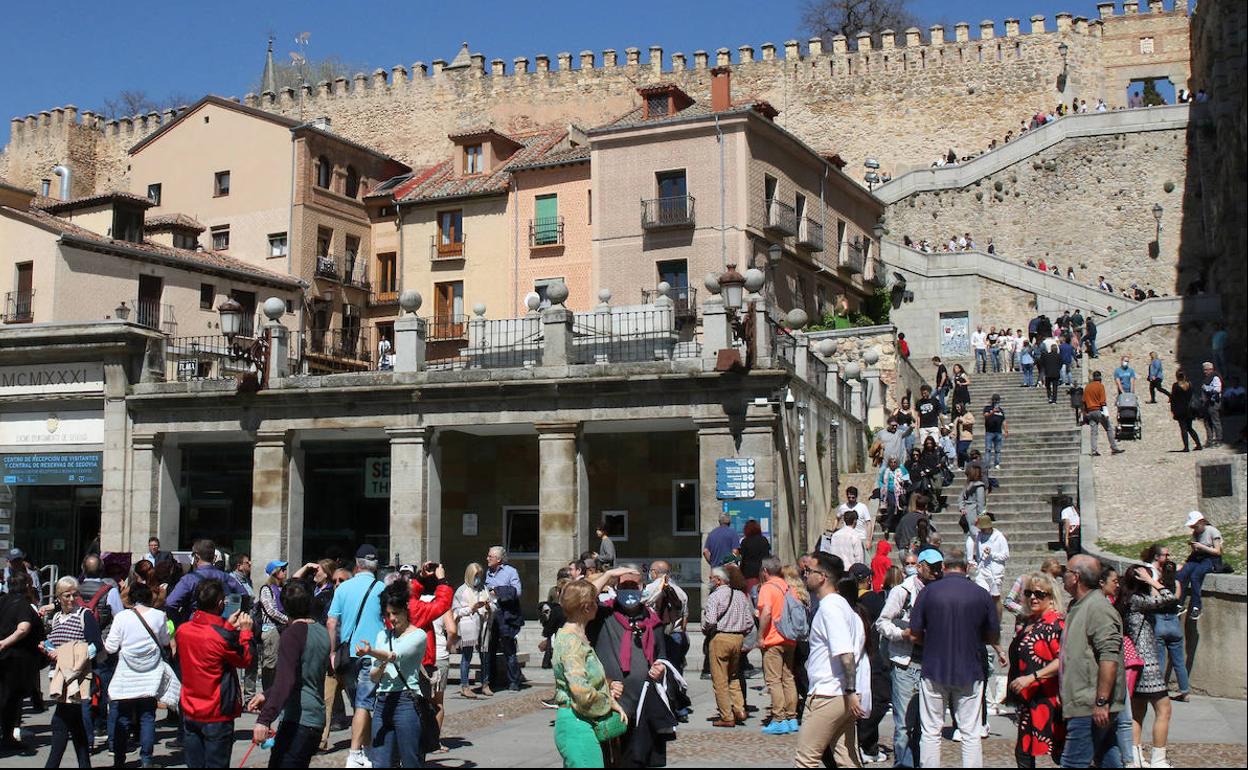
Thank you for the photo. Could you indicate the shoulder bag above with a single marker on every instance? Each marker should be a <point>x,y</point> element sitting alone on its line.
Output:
<point>343,655</point>
<point>430,733</point>
<point>710,629</point>
<point>169,691</point>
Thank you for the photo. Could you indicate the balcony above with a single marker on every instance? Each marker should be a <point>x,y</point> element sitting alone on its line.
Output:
<point>442,328</point>
<point>339,350</point>
<point>154,315</point>
<point>684,300</point>
<point>347,269</point>
<point>810,234</point>
<point>662,213</point>
<point>781,218</point>
<point>877,274</point>
<point>439,251</point>
<point>19,307</point>
<point>852,257</point>
<point>546,233</point>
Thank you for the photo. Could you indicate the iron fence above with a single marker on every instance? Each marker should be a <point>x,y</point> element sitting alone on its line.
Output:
<point>684,299</point>
<point>155,315</point>
<point>876,272</point>
<point>346,349</point>
<point>210,357</point>
<point>783,345</point>
<point>853,259</point>
<point>491,344</point>
<point>810,234</point>
<point>816,372</point>
<point>624,337</point>
<point>781,217</point>
<point>19,306</point>
<point>547,231</point>
<point>675,211</point>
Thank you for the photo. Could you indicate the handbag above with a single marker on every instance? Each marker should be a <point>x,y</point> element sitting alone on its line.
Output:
<point>609,727</point>
<point>430,732</point>
<point>169,691</point>
<point>342,656</point>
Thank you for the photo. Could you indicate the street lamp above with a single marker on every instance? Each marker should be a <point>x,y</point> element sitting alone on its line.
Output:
<point>878,229</point>
<point>231,313</point>
<point>249,350</point>
<point>1063,50</point>
<point>121,311</point>
<point>1157,212</point>
<point>872,177</point>
<point>732,285</point>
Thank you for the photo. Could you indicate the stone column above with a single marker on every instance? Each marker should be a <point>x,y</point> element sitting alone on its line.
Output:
<point>116,451</point>
<point>749,436</point>
<point>409,343</point>
<point>557,498</point>
<point>271,519</point>
<point>409,488</point>
<point>716,331</point>
<point>557,331</point>
<point>144,496</point>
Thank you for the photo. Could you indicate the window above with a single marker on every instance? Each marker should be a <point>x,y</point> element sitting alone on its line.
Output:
<point>671,184</point>
<point>546,220</point>
<point>352,251</point>
<point>128,224</point>
<point>451,233</point>
<point>1146,45</point>
<point>685,507</point>
<point>799,292</point>
<point>542,286</point>
<point>673,204</point>
<point>387,211</point>
<point>657,105</point>
<point>221,238</point>
<point>474,159</point>
<point>324,237</point>
<point>616,523</point>
<point>18,306</point>
<point>523,526</point>
<point>207,294</point>
<point>840,238</point>
<point>799,208</point>
<point>248,300</point>
<point>279,245</point>
<point>387,273</point>
<point>148,311</point>
<point>589,207</point>
<point>324,172</point>
<point>153,193</point>
<point>448,301</point>
<point>676,273</point>
<point>221,184</point>
<point>769,189</point>
<point>352,188</point>
<point>185,240</point>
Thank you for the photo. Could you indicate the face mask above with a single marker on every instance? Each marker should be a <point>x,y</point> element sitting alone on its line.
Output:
<point>478,582</point>
<point>628,599</point>
<point>911,570</point>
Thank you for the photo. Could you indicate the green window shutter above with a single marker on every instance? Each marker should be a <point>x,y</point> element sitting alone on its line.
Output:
<point>546,220</point>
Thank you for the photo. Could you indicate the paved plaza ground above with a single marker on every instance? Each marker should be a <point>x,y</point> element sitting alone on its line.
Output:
<point>513,730</point>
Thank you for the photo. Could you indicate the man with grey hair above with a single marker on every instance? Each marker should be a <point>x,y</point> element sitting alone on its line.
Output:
<point>503,582</point>
<point>1093,678</point>
<point>355,617</point>
<point>720,542</point>
<point>671,604</point>
<point>1211,399</point>
<point>778,651</point>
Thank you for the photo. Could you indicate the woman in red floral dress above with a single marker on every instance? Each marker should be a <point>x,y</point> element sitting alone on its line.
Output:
<point>1033,673</point>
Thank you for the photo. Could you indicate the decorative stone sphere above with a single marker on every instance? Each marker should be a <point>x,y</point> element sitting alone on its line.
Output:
<point>532,300</point>
<point>871,356</point>
<point>852,370</point>
<point>797,318</point>
<point>274,308</point>
<point>479,310</point>
<point>664,288</point>
<point>410,300</point>
<point>557,293</point>
<point>604,296</point>
<point>754,279</point>
<point>711,282</point>
<point>828,348</point>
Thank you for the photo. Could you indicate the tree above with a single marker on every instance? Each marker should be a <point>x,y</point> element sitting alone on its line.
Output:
<point>130,102</point>
<point>827,18</point>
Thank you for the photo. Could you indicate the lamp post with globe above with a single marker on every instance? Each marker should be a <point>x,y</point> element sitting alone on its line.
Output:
<point>266,353</point>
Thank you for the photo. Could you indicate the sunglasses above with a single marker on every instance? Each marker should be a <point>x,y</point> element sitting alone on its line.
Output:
<point>807,570</point>
<point>1030,594</point>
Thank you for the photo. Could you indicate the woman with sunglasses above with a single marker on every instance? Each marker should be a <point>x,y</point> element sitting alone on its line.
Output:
<point>1034,661</point>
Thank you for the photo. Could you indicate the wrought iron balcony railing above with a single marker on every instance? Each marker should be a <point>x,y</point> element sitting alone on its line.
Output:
<point>658,213</point>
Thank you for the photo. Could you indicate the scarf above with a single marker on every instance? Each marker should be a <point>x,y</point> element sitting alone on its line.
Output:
<point>646,624</point>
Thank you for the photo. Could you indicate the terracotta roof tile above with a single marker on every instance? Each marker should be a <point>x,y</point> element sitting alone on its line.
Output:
<point>55,205</point>
<point>442,182</point>
<point>166,221</point>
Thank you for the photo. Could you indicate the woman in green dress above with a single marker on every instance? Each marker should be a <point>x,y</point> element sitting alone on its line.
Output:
<point>584,695</point>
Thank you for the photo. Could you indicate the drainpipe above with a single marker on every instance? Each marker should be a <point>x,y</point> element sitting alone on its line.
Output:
<point>515,240</point>
<point>723,233</point>
<point>66,177</point>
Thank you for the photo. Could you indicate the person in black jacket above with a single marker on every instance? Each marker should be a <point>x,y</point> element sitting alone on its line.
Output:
<point>1051,368</point>
<point>1181,395</point>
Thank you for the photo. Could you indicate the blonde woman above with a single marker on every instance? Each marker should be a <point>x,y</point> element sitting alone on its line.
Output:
<point>471,608</point>
<point>1034,661</point>
<point>582,692</point>
<point>75,635</point>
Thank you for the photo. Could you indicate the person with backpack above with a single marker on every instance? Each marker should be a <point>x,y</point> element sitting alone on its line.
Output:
<point>1185,405</point>
<point>180,602</point>
<point>773,593</point>
<point>72,643</point>
<point>272,620</point>
<point>212,649</point>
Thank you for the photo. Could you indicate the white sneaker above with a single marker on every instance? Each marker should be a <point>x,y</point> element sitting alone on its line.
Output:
<point>983,731</point>
<point>957,735</point>
<point>357,758</point>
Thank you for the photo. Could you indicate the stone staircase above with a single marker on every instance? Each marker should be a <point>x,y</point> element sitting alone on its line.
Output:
<point>1040,459</point>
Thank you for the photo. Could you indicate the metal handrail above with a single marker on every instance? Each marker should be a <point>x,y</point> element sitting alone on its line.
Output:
<point>547,231</point>
<point>439,250</point>
<point>781,217</point>
<point>19,306</point>
<point>675,211</point>
<point>810,233</point>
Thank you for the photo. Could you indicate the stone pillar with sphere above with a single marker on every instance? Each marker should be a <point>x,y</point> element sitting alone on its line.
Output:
<point>279,340</point>
<point>409,334</point>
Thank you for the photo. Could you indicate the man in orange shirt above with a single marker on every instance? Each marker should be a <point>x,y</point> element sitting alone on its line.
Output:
<point>1095,406</point>
<point>777,651</point>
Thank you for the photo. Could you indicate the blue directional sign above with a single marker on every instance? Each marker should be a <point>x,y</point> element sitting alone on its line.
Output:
<point>741,511</point>
<point>734,478</point>
<point>51,469</point>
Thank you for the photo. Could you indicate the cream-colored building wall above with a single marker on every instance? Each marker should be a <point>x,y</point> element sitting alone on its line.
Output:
<point>572,259</point>
<point>185,159</point>
<point>97,219</point>
<point>487,266</point>
<point>623,169</point>
<point>21,242</point>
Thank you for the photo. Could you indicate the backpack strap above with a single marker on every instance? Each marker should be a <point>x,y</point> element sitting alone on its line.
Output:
<point>95,598</point>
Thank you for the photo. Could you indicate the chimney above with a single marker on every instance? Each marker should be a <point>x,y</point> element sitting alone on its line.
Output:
<point>721,89</point>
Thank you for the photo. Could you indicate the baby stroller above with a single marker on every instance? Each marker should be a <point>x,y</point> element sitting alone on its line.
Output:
<point>1129,424</point>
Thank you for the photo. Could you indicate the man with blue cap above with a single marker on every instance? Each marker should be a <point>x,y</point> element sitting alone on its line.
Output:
<point>907,657</point>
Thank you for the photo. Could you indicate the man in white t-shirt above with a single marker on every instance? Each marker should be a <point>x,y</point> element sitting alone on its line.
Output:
<point>979,341</point>
<point>864,525</point>
<point>838,671</point>
<point>1069,518</point>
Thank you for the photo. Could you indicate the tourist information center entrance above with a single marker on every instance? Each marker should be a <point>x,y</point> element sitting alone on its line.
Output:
<point>50,506</point>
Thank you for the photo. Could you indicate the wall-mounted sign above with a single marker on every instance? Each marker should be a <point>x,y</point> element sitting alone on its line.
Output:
<point>52,469</point>
<point>79,377</point>
<point>376,477</point>
<point>52,428</point>
<point>742,511</point>
<point>734,478</point>
<point>470,524</point>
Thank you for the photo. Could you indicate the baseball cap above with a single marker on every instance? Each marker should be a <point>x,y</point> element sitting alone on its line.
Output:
<point>366,551</point>
<point>859,571</point>
<point>17,553</point>
<point>1193,518</point>
<point>408,569</point>
<point>931,556</point>
<point>274,566</point>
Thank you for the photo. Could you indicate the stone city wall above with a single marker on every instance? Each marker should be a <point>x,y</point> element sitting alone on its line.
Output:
<point>905,102</point>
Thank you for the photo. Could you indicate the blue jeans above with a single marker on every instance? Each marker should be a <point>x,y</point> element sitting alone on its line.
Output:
<point>1029,375</point>
<point>208,744</point>
<point>465,664</point>
<point>1066,374</point>
<point>396,731</point>
<point>142,710</point>
<point>996,359</point>
<point>1091,347</point>
<point>364,694</point>
<point>1170,641</point>
<point>943,393</point>
<point>1086,743</point>
<point>1192,577</point>
<point>981,360</point>
<point>906,729</point>
<point>992,448</point>
<point>677,644</point>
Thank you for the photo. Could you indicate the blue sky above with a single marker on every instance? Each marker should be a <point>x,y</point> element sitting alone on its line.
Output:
<point>81,53</point>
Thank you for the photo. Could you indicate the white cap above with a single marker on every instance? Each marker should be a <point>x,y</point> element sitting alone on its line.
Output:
<point>1194,518</point>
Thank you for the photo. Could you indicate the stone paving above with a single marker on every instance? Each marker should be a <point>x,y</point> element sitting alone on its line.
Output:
<point>512,729</point>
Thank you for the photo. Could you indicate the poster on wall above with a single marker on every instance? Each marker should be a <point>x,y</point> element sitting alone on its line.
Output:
<point>742,511</point>
<point>470,525</point>
<point>955,335</point>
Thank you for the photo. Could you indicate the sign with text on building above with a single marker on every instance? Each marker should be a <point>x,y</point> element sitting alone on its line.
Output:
<point>741,511</point>
<point>60,469</point>
<point>44,428</point>
<point>376,477</point>
<point>77,377</point>
<point>734,478</point>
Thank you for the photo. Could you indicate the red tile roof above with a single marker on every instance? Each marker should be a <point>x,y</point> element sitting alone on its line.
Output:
<point>169,221</point>
<point>55,205</point>
<point>442,181</point>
